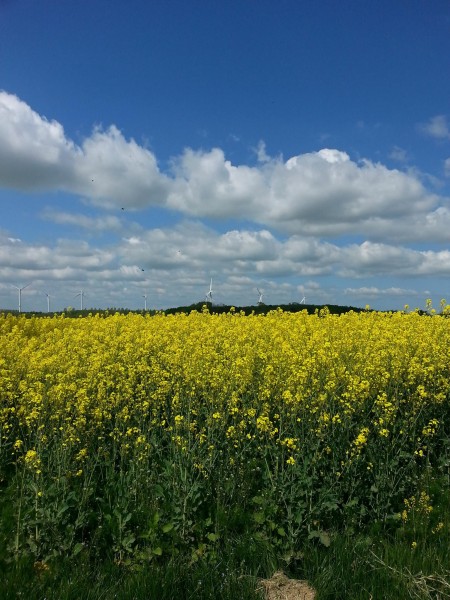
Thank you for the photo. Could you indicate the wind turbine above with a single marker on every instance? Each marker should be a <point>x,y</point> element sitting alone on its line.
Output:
<point>48,300</point>
<point>81,294</point>
<point>145,301</point>
<point>209,295</point>
<point>20,293</point>
<point>303,300</point>
<point>260,301</point>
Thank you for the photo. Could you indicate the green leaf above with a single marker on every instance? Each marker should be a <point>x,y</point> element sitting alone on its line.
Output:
<point>258,500</point>
<point>126,518</point>
<point>281,531</point>
<point>167,527</point>
<point>77,548</point>
<point>157,551</point>
<point>353,502</point>
<point>212,537</point>
<point>62,510</point>
<point>259,517</point>
<point>324,538</point>
<point>158,490</point>
<point>128,541</point>
<point>298,517</point>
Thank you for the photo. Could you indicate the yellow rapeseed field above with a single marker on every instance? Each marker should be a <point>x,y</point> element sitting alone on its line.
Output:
<point>150,432</point>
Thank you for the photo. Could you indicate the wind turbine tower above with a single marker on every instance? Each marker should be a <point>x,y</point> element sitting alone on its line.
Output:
<point>48,301</point>
<point>20,294</point>
<point>209,295</point>
<point>145,301</point>
<point>303,300</point>
<point>260,301</point>
<point>81,294</point>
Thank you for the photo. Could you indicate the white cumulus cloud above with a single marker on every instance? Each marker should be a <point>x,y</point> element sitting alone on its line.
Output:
<point>109,170</point>
<point>436,127</point>
<point>323,193</point>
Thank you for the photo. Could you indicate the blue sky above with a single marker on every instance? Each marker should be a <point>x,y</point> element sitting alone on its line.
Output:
<point>302,148</point>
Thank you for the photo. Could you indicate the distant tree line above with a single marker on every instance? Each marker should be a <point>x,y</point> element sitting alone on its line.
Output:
<point>258,309</point>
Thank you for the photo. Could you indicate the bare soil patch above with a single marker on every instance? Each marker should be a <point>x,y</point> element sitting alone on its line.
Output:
<point>280,587</point>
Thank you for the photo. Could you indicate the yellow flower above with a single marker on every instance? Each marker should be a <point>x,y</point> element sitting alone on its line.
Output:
<point>32,461</point>
<point>81,454</point>
<point>438,527</point>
